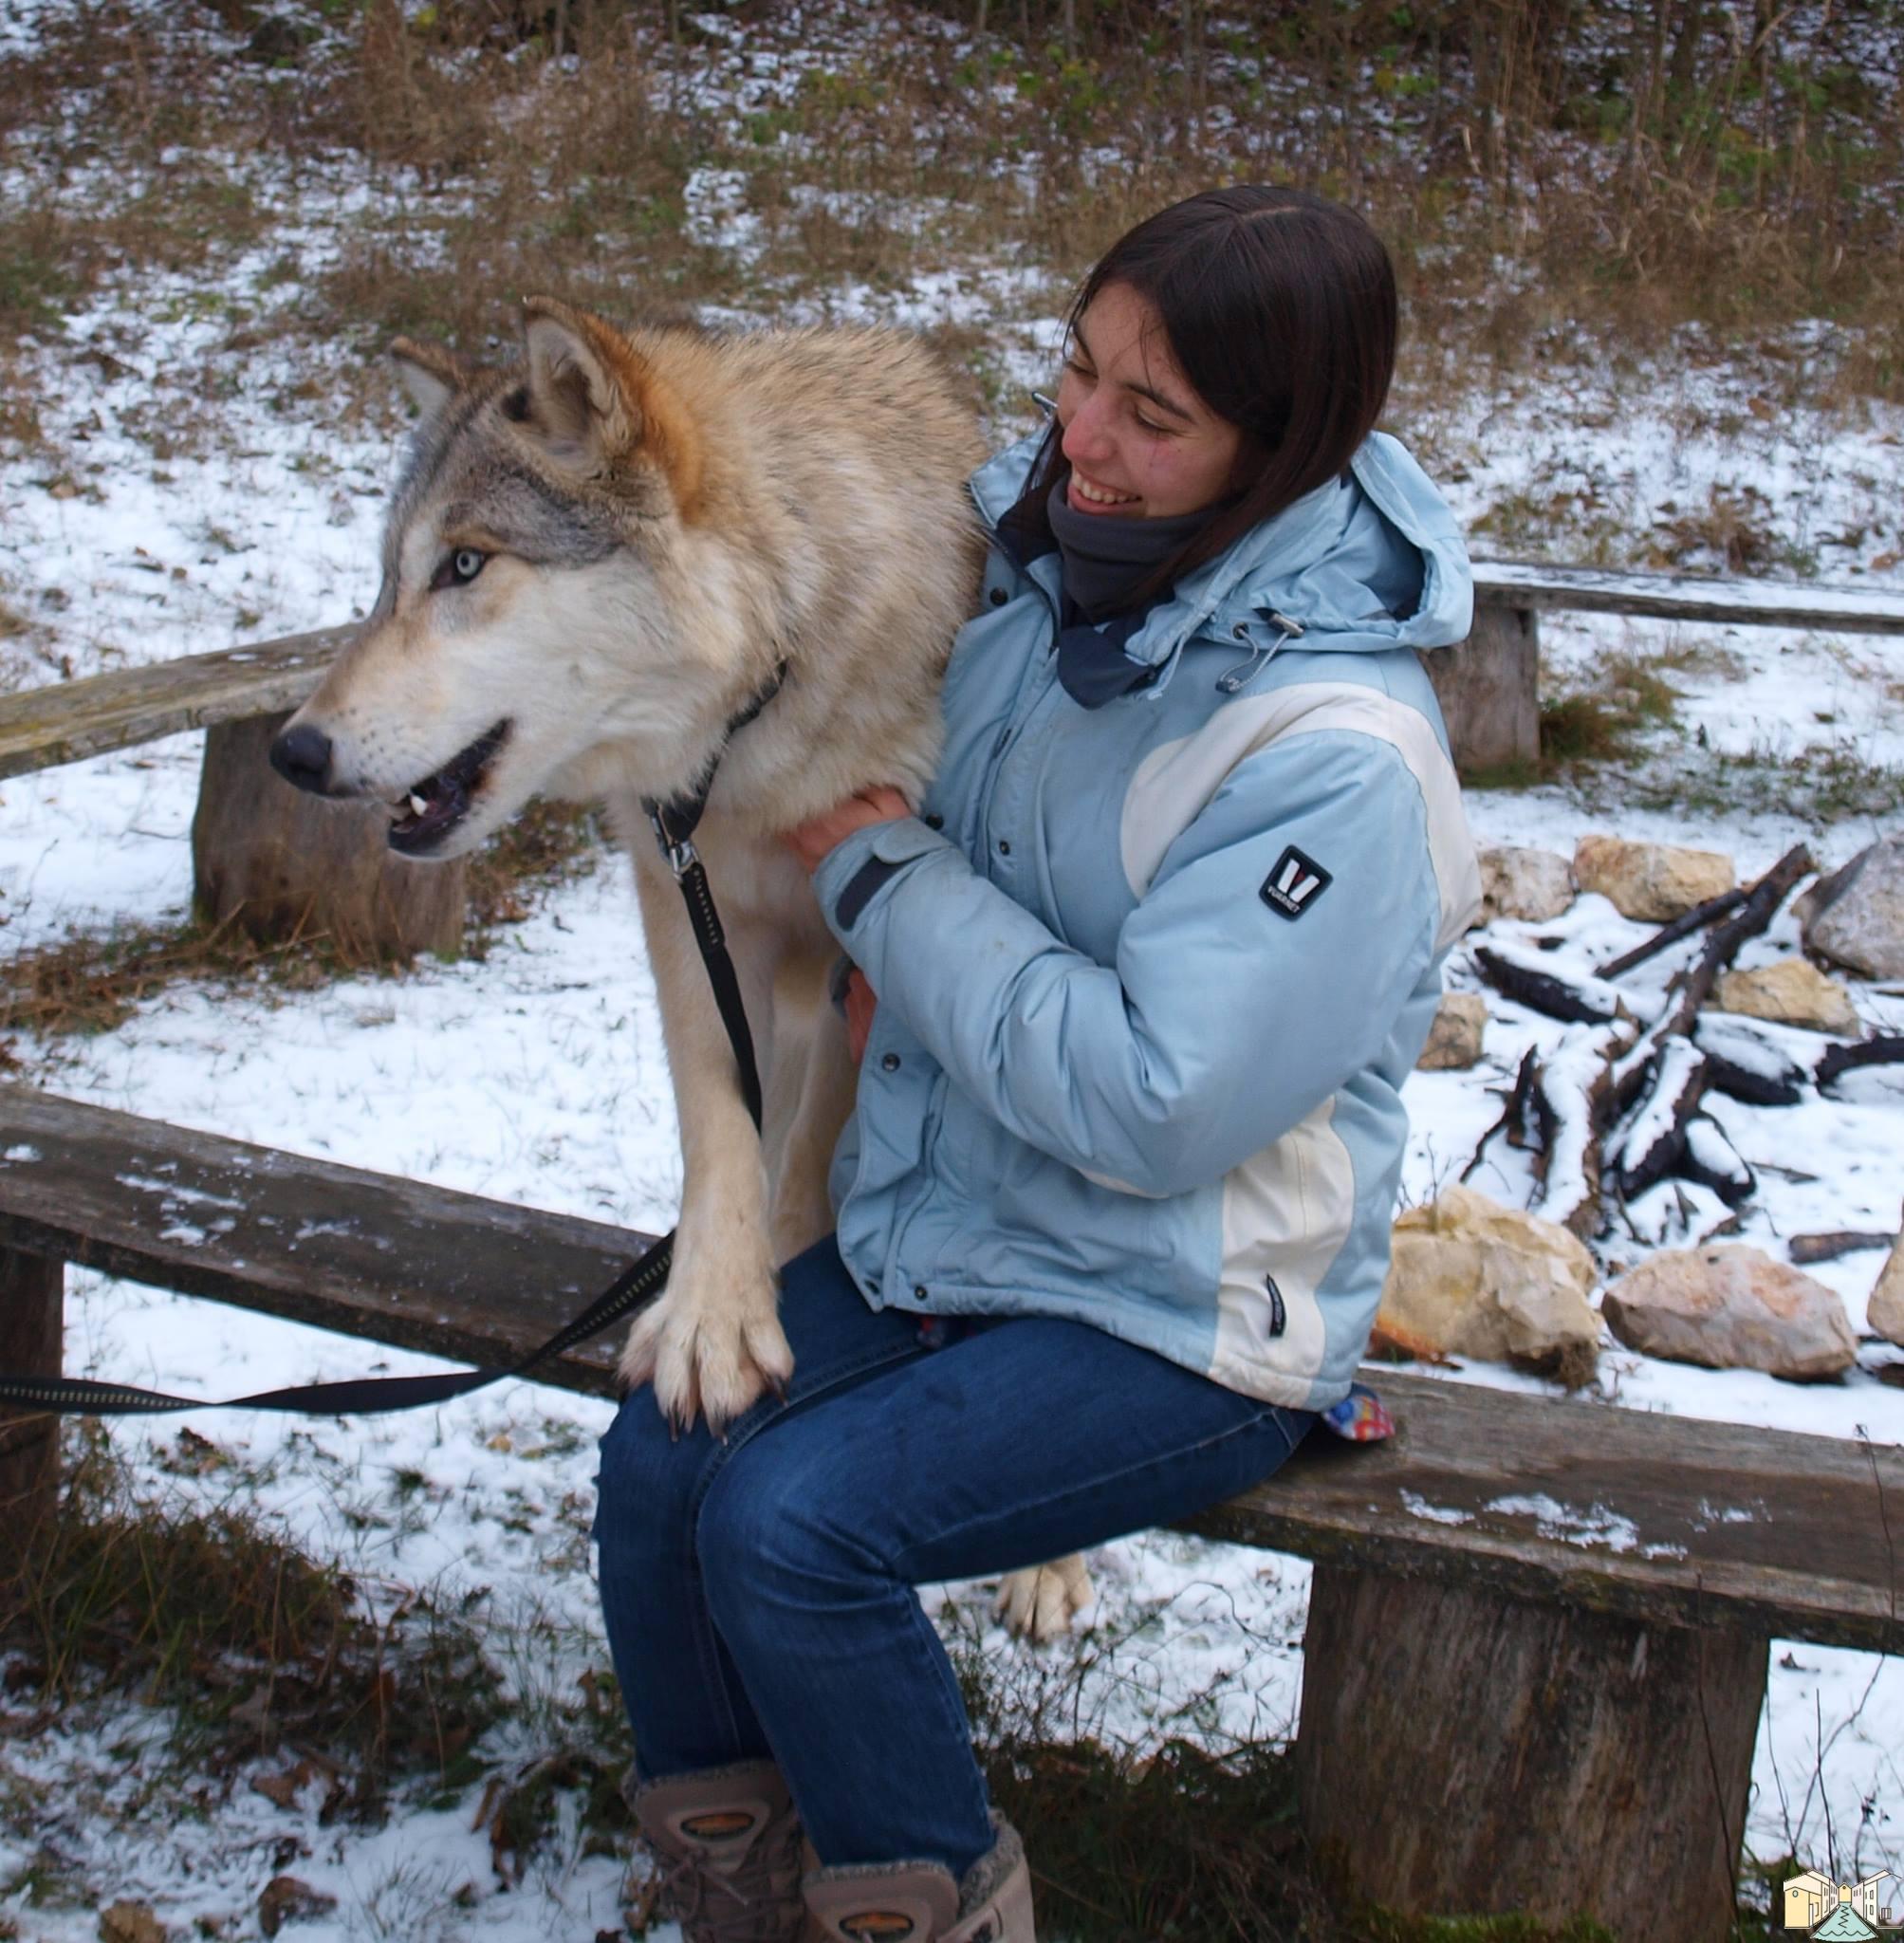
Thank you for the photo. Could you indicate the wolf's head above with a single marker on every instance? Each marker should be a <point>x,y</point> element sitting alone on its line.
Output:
<point>539,596</point>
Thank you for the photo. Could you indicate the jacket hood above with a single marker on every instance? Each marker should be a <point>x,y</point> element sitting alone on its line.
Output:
<point>1369,563</point>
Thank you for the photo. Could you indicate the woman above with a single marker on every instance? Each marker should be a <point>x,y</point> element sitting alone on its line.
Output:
<point>1152,964</point>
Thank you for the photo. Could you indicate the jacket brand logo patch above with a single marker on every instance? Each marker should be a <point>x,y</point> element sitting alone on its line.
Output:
<point>1296,882</point>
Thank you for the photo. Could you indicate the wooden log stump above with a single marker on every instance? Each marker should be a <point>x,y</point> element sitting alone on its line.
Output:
<point>1489,689</point>
<point>281,863</point>
<point>1464,1753</point>
<point>31,1328</point>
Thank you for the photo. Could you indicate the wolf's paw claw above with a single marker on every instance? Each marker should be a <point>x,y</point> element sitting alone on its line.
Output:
<point>708,1360</point>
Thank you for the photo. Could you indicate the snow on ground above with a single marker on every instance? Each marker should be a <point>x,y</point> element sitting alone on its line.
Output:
<point>538,1075</point>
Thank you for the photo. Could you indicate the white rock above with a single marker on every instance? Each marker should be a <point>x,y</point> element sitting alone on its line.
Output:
<point>1468,1277</point>
<point>1652,883</point>
<point>1793,992</point>
<point>1885,1317</point>
<point>1855,916</point>
<point>1532,885</point>
<point>1731,1307</point>
<point>1454,1038</point>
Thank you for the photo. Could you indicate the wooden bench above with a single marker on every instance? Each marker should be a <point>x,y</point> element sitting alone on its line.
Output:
<point>1488,686</point>
<point>1537,1644</point>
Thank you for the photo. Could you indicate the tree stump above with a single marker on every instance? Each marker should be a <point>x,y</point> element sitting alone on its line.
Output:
<point>1462,1753</point>
<point>31,1328</point>
<point>281,863</point>
<point>1489,689</point>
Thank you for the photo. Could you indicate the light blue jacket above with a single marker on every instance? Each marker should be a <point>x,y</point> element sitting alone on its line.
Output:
<point>1152,971</point>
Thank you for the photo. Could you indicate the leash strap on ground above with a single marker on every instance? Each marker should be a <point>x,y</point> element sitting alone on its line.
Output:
<point>635,1285</point>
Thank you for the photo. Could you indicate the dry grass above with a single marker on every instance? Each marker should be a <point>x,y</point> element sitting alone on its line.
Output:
<point>255,1646</point>
<point>1615,166</point>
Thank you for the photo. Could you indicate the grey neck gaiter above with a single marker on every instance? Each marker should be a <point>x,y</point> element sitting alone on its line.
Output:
<point>1107,559</point>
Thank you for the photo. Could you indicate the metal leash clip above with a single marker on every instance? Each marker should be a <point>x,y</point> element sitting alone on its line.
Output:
<point>679,852</point>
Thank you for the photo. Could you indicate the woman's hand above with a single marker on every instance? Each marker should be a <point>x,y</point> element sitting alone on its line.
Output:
<point>812,840</point>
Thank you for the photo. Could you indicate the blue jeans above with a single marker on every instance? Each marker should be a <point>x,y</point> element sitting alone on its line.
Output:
<point>759,1589</point>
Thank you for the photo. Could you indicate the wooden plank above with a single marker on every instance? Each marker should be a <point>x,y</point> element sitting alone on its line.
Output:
<point>1672,1520</point>
<point>1838,609</point>
<point>68,721</point>
<point>1661,1518</point>
<point>451,1275</point>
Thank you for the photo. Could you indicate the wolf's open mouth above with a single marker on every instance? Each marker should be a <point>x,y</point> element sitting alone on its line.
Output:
<point>429,810</point>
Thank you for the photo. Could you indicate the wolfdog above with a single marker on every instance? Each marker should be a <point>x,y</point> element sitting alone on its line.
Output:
<point>598,563</point>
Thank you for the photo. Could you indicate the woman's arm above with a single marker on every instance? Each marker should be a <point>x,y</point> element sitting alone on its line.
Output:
<point>1226,1017</point>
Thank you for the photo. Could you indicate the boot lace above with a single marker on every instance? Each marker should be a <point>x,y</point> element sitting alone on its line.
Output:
<point>759,1903</point>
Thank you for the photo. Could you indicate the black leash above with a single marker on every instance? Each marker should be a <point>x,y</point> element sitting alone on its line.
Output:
<point>675,823</point>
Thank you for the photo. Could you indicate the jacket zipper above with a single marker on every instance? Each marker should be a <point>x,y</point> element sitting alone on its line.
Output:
<point>1001,747</point>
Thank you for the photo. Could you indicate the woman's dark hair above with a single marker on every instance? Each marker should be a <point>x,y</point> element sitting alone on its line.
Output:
<point>1279,308</point>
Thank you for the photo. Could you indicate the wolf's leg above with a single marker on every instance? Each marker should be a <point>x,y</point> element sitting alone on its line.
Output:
<point>815,1075</point>
<point>1040,1602</point>
<point>712,1343</point>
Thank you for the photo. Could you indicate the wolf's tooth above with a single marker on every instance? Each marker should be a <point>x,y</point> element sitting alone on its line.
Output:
<point>418,806</point>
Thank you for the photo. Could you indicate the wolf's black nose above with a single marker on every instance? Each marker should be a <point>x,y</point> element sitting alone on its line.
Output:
<point>302,755</point>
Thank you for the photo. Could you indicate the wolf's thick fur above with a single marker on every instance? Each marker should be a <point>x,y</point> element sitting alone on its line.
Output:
<point>659,521</point>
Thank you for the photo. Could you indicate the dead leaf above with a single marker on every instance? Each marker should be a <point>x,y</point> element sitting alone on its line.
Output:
<point>286,1899</point>
<point>130,1922</point>
<point>283,1788</point>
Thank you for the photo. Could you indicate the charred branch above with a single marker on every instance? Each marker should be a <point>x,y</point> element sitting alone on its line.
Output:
<point>1884,1051</point>
<point>1696,919</point>
<point>1760,907</point>
<point>1516,1114</point>
<point>1806,1248</point>
<point>1573,1106</point>
<point>1712,1162</point>
<point>1651,1143</point>
<point>1745,1064</point>
<point>1581,1001</point>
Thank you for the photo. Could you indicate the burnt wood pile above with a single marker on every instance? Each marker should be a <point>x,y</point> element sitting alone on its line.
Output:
<point>1617,1106</point>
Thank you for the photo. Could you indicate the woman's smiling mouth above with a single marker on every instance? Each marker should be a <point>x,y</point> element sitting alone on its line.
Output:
<point>1087,496</point>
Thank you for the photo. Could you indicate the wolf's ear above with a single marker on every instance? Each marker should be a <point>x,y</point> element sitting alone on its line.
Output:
<point>575,399</point>
<point>593,401</point>
<point>431,373</point>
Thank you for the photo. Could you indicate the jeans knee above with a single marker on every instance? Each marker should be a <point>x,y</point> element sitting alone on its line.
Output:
<point>766,1535</point>
<point>645,1486</point>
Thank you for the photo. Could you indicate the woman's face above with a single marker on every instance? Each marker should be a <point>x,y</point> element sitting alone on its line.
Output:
<point>1142,445</point>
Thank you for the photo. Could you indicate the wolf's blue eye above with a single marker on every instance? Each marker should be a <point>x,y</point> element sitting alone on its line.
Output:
<point>459,569</point>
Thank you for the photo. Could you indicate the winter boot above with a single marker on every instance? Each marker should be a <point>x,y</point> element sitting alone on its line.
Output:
<point>730,1848</point>
<point>918,1902</point>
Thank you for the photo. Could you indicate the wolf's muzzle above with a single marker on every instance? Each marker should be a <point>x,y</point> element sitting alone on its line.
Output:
<point>302,755</point>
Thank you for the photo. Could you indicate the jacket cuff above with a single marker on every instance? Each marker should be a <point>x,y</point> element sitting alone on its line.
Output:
<point>854,872</point>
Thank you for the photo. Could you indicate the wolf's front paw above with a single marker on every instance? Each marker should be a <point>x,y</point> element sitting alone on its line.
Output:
<point>712,1353</point>
<point>1040,1601</point>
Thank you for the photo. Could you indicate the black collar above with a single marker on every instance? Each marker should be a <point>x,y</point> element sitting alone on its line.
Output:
<point>676,820</point>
